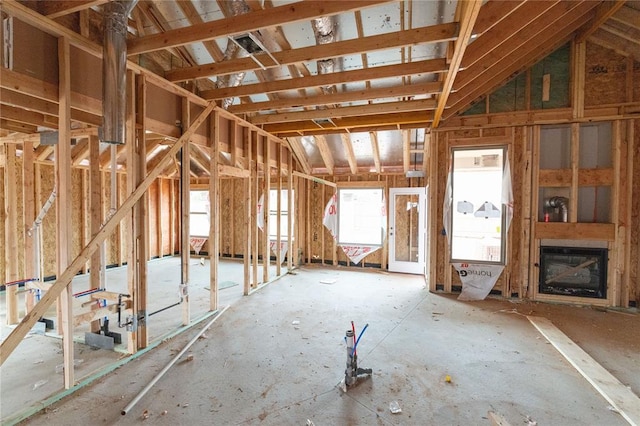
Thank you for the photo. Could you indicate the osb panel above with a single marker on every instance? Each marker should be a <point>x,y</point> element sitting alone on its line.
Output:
<point>402,231</point>
<point>126,243</point>
<point>496,131</point>
<point>2,219</point>
<point>316,205</point>
<point>517,232</point>
<point>112,251</point>
<point>443,167</point>
<point>238,207</point>
<point>153,220</point>
<point>634,293</point>
<point>636,81</point>
<point>465,133</point>
<point>20,207</point>
<point>227,225</point>
<point>605,77</point>
<point>326,235</point>
<point>166,217</point>
<point>47,179</point>
<point>77,212</point>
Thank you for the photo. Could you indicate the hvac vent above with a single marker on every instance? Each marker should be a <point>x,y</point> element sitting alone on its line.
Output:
<point>248,43</point>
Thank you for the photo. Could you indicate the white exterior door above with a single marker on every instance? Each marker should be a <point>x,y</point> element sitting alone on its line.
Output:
<point>407,225</point>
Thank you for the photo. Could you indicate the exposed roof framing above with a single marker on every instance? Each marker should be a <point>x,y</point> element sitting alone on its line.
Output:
<point>396,66</point>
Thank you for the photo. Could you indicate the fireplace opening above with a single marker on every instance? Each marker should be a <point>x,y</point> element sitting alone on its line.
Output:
<point>573,271</point>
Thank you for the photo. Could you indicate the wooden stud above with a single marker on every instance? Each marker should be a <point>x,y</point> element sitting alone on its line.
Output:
<point>307,222</point>
<point>185,195</point>
<point>575,159</point>
<point>447,252</point>
<point>254,208</point>
<point>534,243</point>
<point>29,215</point>
<point>63,205</point>
<point>214,199</point>
<point>291,250</point>
<point>525,145</point>
<point>278,209</point>
<point>12,341</point>
<point>248,213</point>
<point>266,249</point>
<point>95,215</point>
<point>406,142</point>
<point>11,233</point>
<point>159,215</point>
<point>615,278</point>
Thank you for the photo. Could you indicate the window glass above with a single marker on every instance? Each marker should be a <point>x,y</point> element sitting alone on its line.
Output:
<point>360,216</point>
<point>284,214</point>
<point>477,213</point>
<point>199,213</point>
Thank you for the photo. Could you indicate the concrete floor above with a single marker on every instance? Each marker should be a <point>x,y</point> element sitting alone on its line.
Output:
<point>34,371</point>
<point>276,358</point>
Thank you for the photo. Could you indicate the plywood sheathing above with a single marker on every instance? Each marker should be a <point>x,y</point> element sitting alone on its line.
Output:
<point>2,214</point>
<point>635,215</point>
<point>605,76</point>
<point>47,181</point>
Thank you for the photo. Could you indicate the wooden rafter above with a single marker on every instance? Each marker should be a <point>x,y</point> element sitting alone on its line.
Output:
<point>299,153</point>
<point>428,88</point>
<point>616,43</point>
<point>432,34</point>
<point>418,67</point>
<point>325,153</point>
<point>526,20</point>
<point>354,111</point>
<point>80,152</point>
<point>375,148</point>
<point>493,12</point>
<point>628,16</point>
<point>55,9</point>
<point>538,47</point>
<point>605,11</point>
<point>469,13</point>
<point>363,123</point>
<point>300,11</point>
<point>348,149</point>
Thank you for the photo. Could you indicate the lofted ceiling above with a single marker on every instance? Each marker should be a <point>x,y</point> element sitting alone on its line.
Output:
<point>353,86</point>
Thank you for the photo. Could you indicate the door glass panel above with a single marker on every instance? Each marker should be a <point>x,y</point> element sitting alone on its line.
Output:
<point>406,227</point>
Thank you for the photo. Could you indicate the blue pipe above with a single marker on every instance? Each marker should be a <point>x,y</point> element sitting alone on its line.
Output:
<point>355,345</point>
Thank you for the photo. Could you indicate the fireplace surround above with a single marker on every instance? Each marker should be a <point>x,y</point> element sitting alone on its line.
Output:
<point>573,271</point>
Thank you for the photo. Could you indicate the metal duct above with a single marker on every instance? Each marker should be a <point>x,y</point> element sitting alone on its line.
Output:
<point>323,31</point>
<point>114,66</point>
<point>561,203</point>
<point>233,51</point>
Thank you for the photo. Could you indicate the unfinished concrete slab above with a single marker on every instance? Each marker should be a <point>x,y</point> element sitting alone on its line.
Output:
<point>277,357</point>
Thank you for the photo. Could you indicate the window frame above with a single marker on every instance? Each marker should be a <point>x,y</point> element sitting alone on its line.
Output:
<point>503,212</point>
<point>382,225</point>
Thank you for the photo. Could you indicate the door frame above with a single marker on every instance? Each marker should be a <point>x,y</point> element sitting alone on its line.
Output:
<point>403,266</point>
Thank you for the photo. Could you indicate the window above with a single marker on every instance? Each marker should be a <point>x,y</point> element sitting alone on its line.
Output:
<point>284,214</point>
<point>477,215</point>
<point>360,216</point>
<point>199,214</point>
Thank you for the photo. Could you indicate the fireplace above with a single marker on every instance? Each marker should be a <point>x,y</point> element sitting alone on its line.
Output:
<point>573,271</point>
